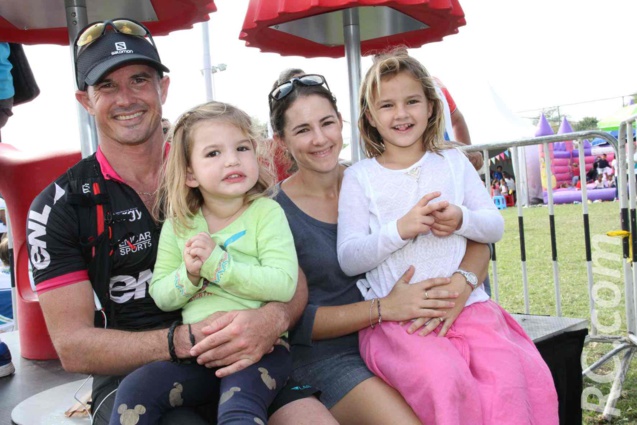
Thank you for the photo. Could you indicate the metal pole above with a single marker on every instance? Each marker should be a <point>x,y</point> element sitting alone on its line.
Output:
<point>631,281</point>
<point>523,195</point>
<point>351,31</point>
<point>486,168</point>
<point>76,19</point>
<point>525,278</point>
<point>207,67</point>
<point>587,232</point>
<point>549,191</point>
<point>616,389</point>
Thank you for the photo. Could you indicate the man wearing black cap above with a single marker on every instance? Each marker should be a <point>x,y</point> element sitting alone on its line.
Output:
<point>92,240</point>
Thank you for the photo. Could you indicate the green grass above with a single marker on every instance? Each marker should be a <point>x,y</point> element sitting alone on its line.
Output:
<point>604,217</point>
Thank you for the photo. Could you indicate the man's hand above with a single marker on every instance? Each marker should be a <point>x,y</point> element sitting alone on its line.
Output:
<point>238,339</point>
<point>476,160</point>
<point>446,221</point>
<point>420,219</point>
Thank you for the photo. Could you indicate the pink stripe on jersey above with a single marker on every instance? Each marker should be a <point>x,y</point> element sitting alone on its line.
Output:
<point>60,281</point>
<point>107,170</point>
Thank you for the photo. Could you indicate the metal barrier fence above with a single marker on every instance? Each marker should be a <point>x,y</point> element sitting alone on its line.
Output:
<point>624,152</point>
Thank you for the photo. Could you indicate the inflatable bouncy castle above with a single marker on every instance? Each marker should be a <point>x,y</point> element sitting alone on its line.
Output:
<point>563,156</point>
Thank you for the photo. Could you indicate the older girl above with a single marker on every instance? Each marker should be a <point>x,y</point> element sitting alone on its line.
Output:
<point>416,200</point>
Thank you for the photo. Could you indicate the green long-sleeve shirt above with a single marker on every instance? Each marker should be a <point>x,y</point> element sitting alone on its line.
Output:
<point>254,262</point>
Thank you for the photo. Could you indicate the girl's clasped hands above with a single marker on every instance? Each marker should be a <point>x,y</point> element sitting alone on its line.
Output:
<point>440,218</point>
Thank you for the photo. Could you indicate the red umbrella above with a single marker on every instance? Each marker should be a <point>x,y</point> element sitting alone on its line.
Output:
<point>309,28</point>
<point>44,22</point>
<point>336,28</point>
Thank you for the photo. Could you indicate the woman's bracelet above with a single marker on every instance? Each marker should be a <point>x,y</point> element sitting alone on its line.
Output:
<point>371,311</point>
<point>171,341</point>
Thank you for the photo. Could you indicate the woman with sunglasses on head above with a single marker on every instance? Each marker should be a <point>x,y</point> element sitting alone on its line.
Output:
<point>325,354</point>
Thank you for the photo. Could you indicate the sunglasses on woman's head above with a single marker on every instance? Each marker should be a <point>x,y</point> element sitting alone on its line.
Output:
<point>284,89</point>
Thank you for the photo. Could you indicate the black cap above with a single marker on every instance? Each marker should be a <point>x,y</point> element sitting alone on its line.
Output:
<point>113,50</point>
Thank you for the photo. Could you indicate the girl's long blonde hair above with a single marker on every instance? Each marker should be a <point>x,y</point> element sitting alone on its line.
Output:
<point>385,66</point>
<point>176,200</point>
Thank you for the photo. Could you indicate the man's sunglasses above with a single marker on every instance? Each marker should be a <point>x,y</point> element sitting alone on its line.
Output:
<point>284,89</point>
<point>93,31</point>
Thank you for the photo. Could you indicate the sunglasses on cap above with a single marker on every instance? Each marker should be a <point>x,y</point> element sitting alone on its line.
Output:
<point>93,31</point>
<point>284,89</point>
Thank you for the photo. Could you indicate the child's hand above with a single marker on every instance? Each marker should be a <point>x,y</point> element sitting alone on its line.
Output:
<point>446,221</point>
<point>196,252</point>
<point>420,219</point>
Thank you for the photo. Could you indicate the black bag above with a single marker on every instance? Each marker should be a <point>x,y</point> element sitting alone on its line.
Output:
<point>26,89</point>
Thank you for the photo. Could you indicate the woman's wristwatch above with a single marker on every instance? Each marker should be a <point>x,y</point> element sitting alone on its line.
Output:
<point>472,279</point>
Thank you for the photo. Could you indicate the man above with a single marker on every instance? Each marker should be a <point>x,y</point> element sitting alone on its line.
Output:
<point>122,84</point>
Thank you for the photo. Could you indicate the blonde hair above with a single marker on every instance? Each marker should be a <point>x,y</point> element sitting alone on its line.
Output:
<point>180,202</point>
<point>386,66</point>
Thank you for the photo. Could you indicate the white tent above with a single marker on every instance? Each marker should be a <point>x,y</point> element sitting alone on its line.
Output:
<point>490,121</point>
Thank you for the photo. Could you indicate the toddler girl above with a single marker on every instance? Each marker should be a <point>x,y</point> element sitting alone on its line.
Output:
<point>225,246</point>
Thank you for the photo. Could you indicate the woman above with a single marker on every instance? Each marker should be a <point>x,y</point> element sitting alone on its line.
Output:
<point>305,120</point>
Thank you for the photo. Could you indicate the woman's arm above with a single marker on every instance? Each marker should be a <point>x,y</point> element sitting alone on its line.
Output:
<point>475,260</point>
<point>405,302</point>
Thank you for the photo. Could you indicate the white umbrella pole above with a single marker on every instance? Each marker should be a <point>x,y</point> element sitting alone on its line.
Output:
<point>76,19</point>
<point>351,31</point>
<point>207,67</point>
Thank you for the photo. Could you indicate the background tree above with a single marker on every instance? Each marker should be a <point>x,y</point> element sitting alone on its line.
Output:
<point>586,123</point>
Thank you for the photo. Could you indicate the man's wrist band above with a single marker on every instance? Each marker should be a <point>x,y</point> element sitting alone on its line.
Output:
<point>171,341</point>
<point>192,337</point>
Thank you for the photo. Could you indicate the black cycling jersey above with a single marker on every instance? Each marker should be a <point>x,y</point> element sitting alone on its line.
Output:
<point>57,257</point>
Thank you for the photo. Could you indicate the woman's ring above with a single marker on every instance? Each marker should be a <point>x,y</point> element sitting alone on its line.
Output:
<point>442,319</point>
<point>426,295</point>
